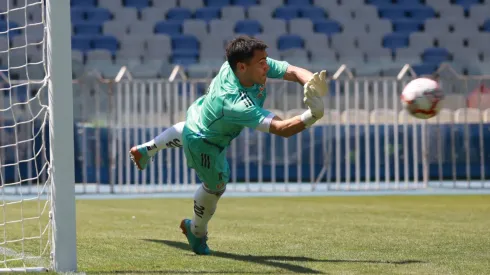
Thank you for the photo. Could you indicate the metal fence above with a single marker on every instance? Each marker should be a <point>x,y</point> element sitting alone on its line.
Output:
<point>365,141</point>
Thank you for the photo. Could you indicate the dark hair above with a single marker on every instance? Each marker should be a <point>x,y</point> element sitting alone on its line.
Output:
<point>241,49</point>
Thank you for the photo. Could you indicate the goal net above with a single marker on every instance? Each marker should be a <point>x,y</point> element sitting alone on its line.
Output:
<point>28,230</point>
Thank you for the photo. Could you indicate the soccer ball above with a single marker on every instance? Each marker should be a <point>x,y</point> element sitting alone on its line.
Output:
<point>422,98</point>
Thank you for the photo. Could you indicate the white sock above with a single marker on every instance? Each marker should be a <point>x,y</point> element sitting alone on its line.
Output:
<point>170,138</point>
<point>204,208</point>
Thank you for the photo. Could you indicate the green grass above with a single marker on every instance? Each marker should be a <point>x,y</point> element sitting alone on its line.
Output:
<point>317,235</point>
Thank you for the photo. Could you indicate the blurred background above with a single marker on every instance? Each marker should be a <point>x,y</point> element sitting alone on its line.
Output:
<point>372,37</point>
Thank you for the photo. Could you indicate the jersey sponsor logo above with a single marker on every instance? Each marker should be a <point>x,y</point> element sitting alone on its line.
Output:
<point>246,99</point>
<point>205,160</point>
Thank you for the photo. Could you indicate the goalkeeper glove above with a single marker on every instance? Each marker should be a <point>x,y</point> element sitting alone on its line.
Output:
<point>318,84</point>
<point>315,108</point>
<point>315,89</point>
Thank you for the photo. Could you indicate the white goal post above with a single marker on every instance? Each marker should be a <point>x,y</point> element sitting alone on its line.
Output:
<point>37,205</point>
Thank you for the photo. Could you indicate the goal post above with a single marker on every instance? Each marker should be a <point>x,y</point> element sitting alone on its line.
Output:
<point>62,168</point>
<point>37,179</point>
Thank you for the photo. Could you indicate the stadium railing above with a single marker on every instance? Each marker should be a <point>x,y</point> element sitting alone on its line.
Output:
<point>366,141</point>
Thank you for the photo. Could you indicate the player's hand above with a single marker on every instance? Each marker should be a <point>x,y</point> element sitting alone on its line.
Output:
<point>314,103</point>
<point>317,84</point>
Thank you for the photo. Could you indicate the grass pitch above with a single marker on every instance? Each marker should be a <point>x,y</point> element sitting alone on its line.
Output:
<point>305,235</point>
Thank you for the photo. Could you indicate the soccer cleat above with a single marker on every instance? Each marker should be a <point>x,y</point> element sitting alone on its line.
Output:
<point>198,245</point>
<point>139,156</point>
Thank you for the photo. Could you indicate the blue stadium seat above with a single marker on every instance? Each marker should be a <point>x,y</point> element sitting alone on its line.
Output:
<point>185,44</point>
<point>466,4</point>
<point>179,14</point>
<point>407,26</point>
<point>207,13</point>
<point>299,3</point>
<point>289,41</point>
<point>379,2</point>
<point>107,42</point>
<point>435,55</point>
<point>286,12</point>
<point>87,28</point>
<point>10,25</point>
<point>409,3</point>
<point>169,27</point>
<point>244,3</point>
<point>81,42</point>
<point>395,40</point>
<point>486,25</point>
<point>21,93</point>
<point>218,3</point>
<point>83,3</point>
<point>98,15</point>
<point>249,27</point>
<point>184,59</point>
<point>77,14</point>
<point>138,4</point>
<point>424,68</point>
<point>421,12</point>
<point>326,26</point>
<point>313,13</point>
<point>391,12</point>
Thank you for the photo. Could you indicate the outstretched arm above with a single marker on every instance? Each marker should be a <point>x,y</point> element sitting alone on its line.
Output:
<point>286,128</point>
<point>315,88</point>
<point>292,126</point>
<point>297,74</point>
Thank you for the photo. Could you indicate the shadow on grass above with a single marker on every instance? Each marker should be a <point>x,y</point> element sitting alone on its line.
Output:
<point>273,261</point>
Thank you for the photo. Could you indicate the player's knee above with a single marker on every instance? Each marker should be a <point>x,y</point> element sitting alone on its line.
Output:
<point>215,189</point>
<point>220,193</point>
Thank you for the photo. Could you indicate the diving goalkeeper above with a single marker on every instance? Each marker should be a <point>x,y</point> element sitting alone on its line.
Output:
<point>233,101</point>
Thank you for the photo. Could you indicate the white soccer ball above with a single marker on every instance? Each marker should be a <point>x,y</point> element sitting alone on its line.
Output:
<point>422,98</point>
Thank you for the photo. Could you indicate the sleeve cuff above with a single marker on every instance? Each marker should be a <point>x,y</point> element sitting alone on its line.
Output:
<point>265,124</point>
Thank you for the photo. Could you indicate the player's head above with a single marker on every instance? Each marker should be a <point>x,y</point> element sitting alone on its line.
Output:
<point>247,58</point>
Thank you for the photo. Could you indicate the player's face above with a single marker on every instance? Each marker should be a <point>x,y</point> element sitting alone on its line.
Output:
<point>257,68</point>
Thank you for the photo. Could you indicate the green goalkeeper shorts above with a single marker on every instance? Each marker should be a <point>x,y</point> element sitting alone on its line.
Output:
<point>208,160</point>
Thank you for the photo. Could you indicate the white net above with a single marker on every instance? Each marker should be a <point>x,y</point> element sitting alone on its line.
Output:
<point>24,206</point>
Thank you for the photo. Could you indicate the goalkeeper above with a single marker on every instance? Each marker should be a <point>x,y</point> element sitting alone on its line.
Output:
<point>233,101</point>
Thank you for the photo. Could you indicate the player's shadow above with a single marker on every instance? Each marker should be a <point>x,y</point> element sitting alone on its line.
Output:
<point>273,260</point>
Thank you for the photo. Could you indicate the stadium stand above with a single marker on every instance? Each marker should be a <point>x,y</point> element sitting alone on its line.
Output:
<point>372,37</point>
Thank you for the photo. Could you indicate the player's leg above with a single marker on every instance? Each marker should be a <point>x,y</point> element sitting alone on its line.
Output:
<point>195,230</point>
<point>213,170</point>
<point>205,204</point>
<point>170,138</point>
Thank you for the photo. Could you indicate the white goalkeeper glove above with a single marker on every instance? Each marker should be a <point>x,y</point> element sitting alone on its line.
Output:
<point>315,108</point>
<point>318,84</point>
<point>315,89</point>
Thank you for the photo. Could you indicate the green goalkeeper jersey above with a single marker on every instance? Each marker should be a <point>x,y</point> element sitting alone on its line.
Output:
<point>227,107</point>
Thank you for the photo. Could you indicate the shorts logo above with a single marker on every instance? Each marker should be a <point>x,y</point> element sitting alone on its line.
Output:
<point>205,161</point>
